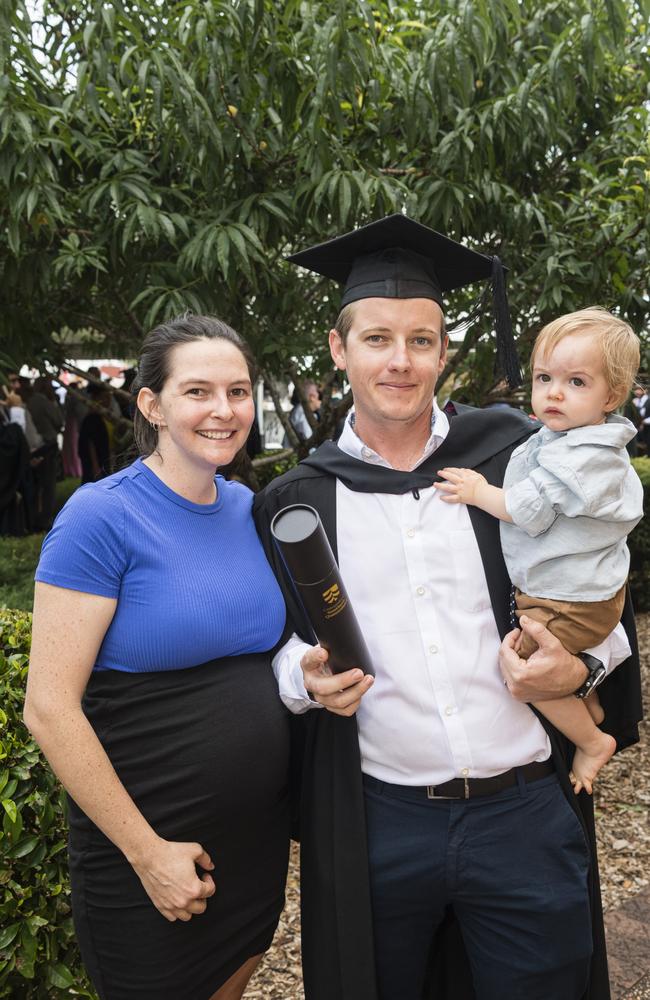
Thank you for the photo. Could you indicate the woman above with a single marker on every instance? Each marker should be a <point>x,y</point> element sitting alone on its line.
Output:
<point>154,596</point>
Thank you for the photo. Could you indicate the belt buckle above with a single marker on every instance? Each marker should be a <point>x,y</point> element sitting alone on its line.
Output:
<point>431,794</point>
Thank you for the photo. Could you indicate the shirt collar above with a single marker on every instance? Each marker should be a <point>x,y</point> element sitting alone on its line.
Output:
<point>352,445</point>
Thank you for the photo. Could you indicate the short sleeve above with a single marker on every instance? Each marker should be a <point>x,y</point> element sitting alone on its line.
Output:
<point>85,549</point>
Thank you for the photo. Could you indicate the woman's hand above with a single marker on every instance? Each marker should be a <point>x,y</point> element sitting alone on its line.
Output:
<point>168,874</point>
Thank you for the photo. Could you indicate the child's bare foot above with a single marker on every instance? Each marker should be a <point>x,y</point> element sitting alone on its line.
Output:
<point>594,708</point>
<point>589,759</point>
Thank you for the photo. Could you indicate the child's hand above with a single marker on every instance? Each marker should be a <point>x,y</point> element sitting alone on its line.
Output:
<point>460,486</point>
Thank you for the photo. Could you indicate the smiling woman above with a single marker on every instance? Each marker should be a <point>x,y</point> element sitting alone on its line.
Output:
<point>201,414</point>
<point>157,707</point>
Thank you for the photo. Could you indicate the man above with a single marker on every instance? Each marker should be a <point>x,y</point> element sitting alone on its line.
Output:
<point>433,798</point>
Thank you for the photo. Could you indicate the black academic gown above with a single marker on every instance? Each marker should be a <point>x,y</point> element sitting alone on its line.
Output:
<point>337,944</point>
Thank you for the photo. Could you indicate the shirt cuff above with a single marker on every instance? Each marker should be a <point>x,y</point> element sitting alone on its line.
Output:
<point>528,509</point>
<point>290,678</point>
<point>613,650</point>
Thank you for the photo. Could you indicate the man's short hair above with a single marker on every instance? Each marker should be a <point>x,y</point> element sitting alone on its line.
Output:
<point>618,344</point>
<point>344,320</point>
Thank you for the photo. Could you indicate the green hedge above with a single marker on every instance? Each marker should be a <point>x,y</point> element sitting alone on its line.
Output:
<point>38,953</point>
<point>639,543</point>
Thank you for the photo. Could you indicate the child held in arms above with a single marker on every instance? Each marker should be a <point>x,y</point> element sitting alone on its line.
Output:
<point>570,497</point>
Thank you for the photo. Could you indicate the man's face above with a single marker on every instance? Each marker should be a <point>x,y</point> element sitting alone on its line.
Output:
<point>393,356</point>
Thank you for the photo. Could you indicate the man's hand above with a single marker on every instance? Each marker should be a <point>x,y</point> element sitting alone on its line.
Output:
<point>550,672</point>
<point>461,485</point>
<point>338,693</point>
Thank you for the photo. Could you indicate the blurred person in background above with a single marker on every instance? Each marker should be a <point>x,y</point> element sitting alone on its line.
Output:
<point>47,415</point>
<point>94,442</point>
<point>297,416</point>
<point>14,465</point>
<point>75,409</point>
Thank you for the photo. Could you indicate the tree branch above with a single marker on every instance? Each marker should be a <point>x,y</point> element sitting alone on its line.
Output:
<point>289,429</point>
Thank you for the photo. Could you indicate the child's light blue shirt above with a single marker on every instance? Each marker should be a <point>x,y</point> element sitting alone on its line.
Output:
<point>574,498</point>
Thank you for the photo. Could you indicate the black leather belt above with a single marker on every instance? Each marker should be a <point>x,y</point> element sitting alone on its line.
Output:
<point>469,788</point>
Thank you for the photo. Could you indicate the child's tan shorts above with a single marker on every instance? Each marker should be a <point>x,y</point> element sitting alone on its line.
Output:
<point>577,624</point>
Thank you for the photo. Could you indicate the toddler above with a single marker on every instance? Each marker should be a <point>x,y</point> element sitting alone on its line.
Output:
<point>570,497</point>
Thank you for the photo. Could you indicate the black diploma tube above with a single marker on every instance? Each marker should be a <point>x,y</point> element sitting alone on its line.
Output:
<point>308,556</point>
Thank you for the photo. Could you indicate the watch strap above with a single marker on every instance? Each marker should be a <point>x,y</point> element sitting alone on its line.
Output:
<point>596,674</point>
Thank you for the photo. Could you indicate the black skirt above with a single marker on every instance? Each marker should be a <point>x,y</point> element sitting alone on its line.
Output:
<point>203,753</point>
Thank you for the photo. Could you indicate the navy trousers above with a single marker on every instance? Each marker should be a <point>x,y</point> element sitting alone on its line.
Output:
<point>514,868</point>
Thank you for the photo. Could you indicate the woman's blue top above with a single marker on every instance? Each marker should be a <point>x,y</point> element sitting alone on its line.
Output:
<point>192,581</point>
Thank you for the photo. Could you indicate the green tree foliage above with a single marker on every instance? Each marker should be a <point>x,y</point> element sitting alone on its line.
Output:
<point>156,157</point>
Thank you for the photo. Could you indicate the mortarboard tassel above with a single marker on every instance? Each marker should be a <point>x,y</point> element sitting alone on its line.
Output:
<point>507,360</point>
<point>476,310</point>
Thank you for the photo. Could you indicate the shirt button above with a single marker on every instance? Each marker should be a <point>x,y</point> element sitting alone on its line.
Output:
<point>449,710</point>
<point>465,772</point>
<point>411,532</point>
<point>366,453</point>
<point>433,649</point>
<point>420,591</point>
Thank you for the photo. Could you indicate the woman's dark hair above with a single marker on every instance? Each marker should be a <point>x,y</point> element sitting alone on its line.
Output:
<point>153,366</point>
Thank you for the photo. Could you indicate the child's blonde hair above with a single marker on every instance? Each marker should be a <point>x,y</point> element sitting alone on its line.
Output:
<point>618,343</point>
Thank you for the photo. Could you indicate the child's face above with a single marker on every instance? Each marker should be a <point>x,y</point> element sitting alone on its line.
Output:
<point>569,387</point>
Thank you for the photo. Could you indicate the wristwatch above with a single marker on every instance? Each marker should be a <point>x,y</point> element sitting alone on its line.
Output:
<point>596,674</point>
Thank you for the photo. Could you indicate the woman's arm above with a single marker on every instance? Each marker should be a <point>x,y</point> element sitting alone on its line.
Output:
<point>68,629</point>
<point>467,486</point>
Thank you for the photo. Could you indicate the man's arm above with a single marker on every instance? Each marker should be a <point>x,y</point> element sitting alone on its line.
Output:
<point>551,671</point>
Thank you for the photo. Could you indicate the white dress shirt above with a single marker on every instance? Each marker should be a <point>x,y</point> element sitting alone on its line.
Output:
<point>438,708</point>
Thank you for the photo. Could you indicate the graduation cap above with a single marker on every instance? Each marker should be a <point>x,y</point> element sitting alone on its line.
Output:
<point>398,258</point>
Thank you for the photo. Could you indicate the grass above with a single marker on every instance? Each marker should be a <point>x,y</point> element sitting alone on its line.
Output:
<point>19,556</point>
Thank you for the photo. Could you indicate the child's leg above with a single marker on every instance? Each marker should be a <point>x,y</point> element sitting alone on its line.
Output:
<point>595,709</point>
<point>593,747</point>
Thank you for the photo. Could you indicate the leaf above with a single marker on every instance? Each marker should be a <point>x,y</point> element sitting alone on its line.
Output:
<point>345,198</point>
<point>108,13</point>
<point>60,976</point>
<point>24,847</point>
<point>10,809</point>
<point>8,934</point>
<point>223,252</point>
<point>142,75</point>
<point>124,61</point>
<point>35,922</point>
<point>167,225</point>
<point>25,124</point>
<point>135,190</point>
<point>88,32</point>
<point>273,208</point>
